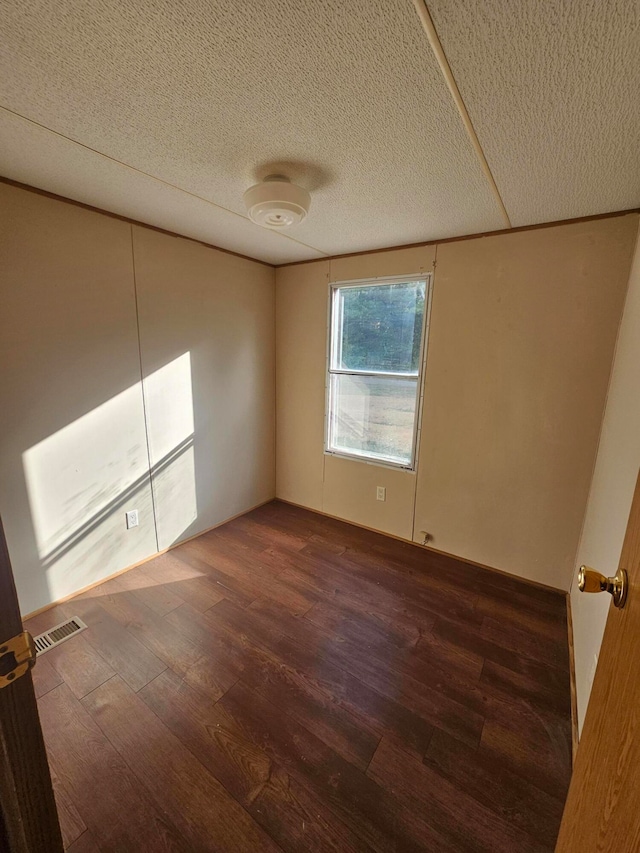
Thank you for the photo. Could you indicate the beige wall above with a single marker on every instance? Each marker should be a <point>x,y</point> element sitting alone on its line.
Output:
<point>207,334</point>
<point>72,437</point>
<point>522,337</point>
<point>611,492</point>
<point>521,341</point>
<point>301,319</point>
<point>73,442</point>
<point>340,487</point>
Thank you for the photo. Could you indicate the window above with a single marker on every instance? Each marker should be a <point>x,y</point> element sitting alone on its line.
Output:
<point>375,366</point>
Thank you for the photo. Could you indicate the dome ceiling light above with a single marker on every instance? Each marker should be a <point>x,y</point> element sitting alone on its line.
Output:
<point>277,203</point>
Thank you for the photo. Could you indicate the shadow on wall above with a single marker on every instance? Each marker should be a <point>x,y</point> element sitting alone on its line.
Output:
<point>81,479</point>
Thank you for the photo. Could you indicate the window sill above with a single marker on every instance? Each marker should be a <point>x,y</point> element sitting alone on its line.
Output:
<point>371,460</point>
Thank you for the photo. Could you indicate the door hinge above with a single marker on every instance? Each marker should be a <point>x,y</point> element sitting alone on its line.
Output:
<point>17,655</point>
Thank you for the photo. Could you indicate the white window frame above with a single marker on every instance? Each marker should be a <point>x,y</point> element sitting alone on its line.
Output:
<point>366,458</point>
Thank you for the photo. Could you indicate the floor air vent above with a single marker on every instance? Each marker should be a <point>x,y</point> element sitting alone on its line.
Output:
<point>55,636</point>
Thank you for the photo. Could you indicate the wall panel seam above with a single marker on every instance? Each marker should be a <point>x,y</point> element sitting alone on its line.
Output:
<point>142,391</point>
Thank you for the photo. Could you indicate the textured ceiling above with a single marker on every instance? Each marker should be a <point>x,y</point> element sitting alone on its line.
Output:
<point>33,155</point>
<point>201,93</point>
<point>553,90</point>
<point>166,112</point>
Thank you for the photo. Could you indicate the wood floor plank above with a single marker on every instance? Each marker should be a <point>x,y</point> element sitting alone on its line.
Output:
<point>183,656</point>
<point>211,734</point>
<point>435,650</point>
<point>550,650</point>
<point>468,823</point>
<point>303,528</point>
<point>85,844</point>
<point>266,534</point>
<point>475,640</point>
<point>527,614</point>
<point>504,586</point>
<point>307,685</point>
<point>304,700</point>
<point>420,689</point>
<point>220,650</point>
<point>370,812</point>
<point>46,620</point>
<point>376,552</point>
<point>79,665</point>
<point>540,752</point>
<point>208,817</point>
<point>251,567</point>
<point>345,592</point>
<point>150,629</point>
<point>404,628</point>
<point>514,798</point>
<point>418,576</point>
<point>159,597</point>
<point>293,816</point>
<point>363,626</point>
<point>71,824</point>
<point>359,575</point>
<point>533,682</point>
<point>294,677</point>
<point>129,658</point>
<point>296,694</point>
<point>220,569</point>
<point>493,702</point>
<point>299,820</point>
<point>193,586</point>
<point>45,676</point>
<point>503,706</point>
<point>115,809</point>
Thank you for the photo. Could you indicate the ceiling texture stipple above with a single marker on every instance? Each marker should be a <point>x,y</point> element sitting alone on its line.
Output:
<point>200,94</point>
<point>553,90</point>
<point>36,156</point>
<point>167,112</point>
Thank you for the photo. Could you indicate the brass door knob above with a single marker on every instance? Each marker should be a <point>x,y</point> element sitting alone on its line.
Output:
<point>591,581</point>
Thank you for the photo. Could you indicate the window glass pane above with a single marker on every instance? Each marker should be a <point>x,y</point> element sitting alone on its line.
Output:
<point>379,327</point>
<point>373,416</point>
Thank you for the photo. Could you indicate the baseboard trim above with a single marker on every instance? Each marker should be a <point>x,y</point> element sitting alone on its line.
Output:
<point>537,584</point>
<point>84,589</point>
<point>572,683</point>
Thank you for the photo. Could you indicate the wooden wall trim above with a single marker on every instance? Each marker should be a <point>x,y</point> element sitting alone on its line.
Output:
<point>309,509</point>
<point>126,219</point>
<point>554,224</point>
<point>572,681</point>
<point>10,182</point>
<point>429,548</point>
<point>148,559</point>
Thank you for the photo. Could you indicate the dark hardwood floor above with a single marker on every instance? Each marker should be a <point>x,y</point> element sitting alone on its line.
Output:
<point>291,682</point>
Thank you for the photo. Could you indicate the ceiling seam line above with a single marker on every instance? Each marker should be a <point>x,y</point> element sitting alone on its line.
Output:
<point>445,68</point>
<point>151,177</point>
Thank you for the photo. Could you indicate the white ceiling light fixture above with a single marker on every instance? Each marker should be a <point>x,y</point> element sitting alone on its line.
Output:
<point>277,203</point>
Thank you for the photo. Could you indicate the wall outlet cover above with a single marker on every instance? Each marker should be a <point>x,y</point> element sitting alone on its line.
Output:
<point>381,493</point>
<point>132,518</point>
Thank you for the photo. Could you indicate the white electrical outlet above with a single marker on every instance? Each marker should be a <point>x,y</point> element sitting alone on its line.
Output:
<point>132,518</point>
<point>381,493</point>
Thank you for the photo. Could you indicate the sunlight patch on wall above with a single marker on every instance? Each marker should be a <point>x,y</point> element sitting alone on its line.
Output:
<point>168,397</point>
<point>82,479</point>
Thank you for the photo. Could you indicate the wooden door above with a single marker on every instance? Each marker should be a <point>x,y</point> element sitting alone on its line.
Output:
<point>603,807</point>
<point>28,817</point>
